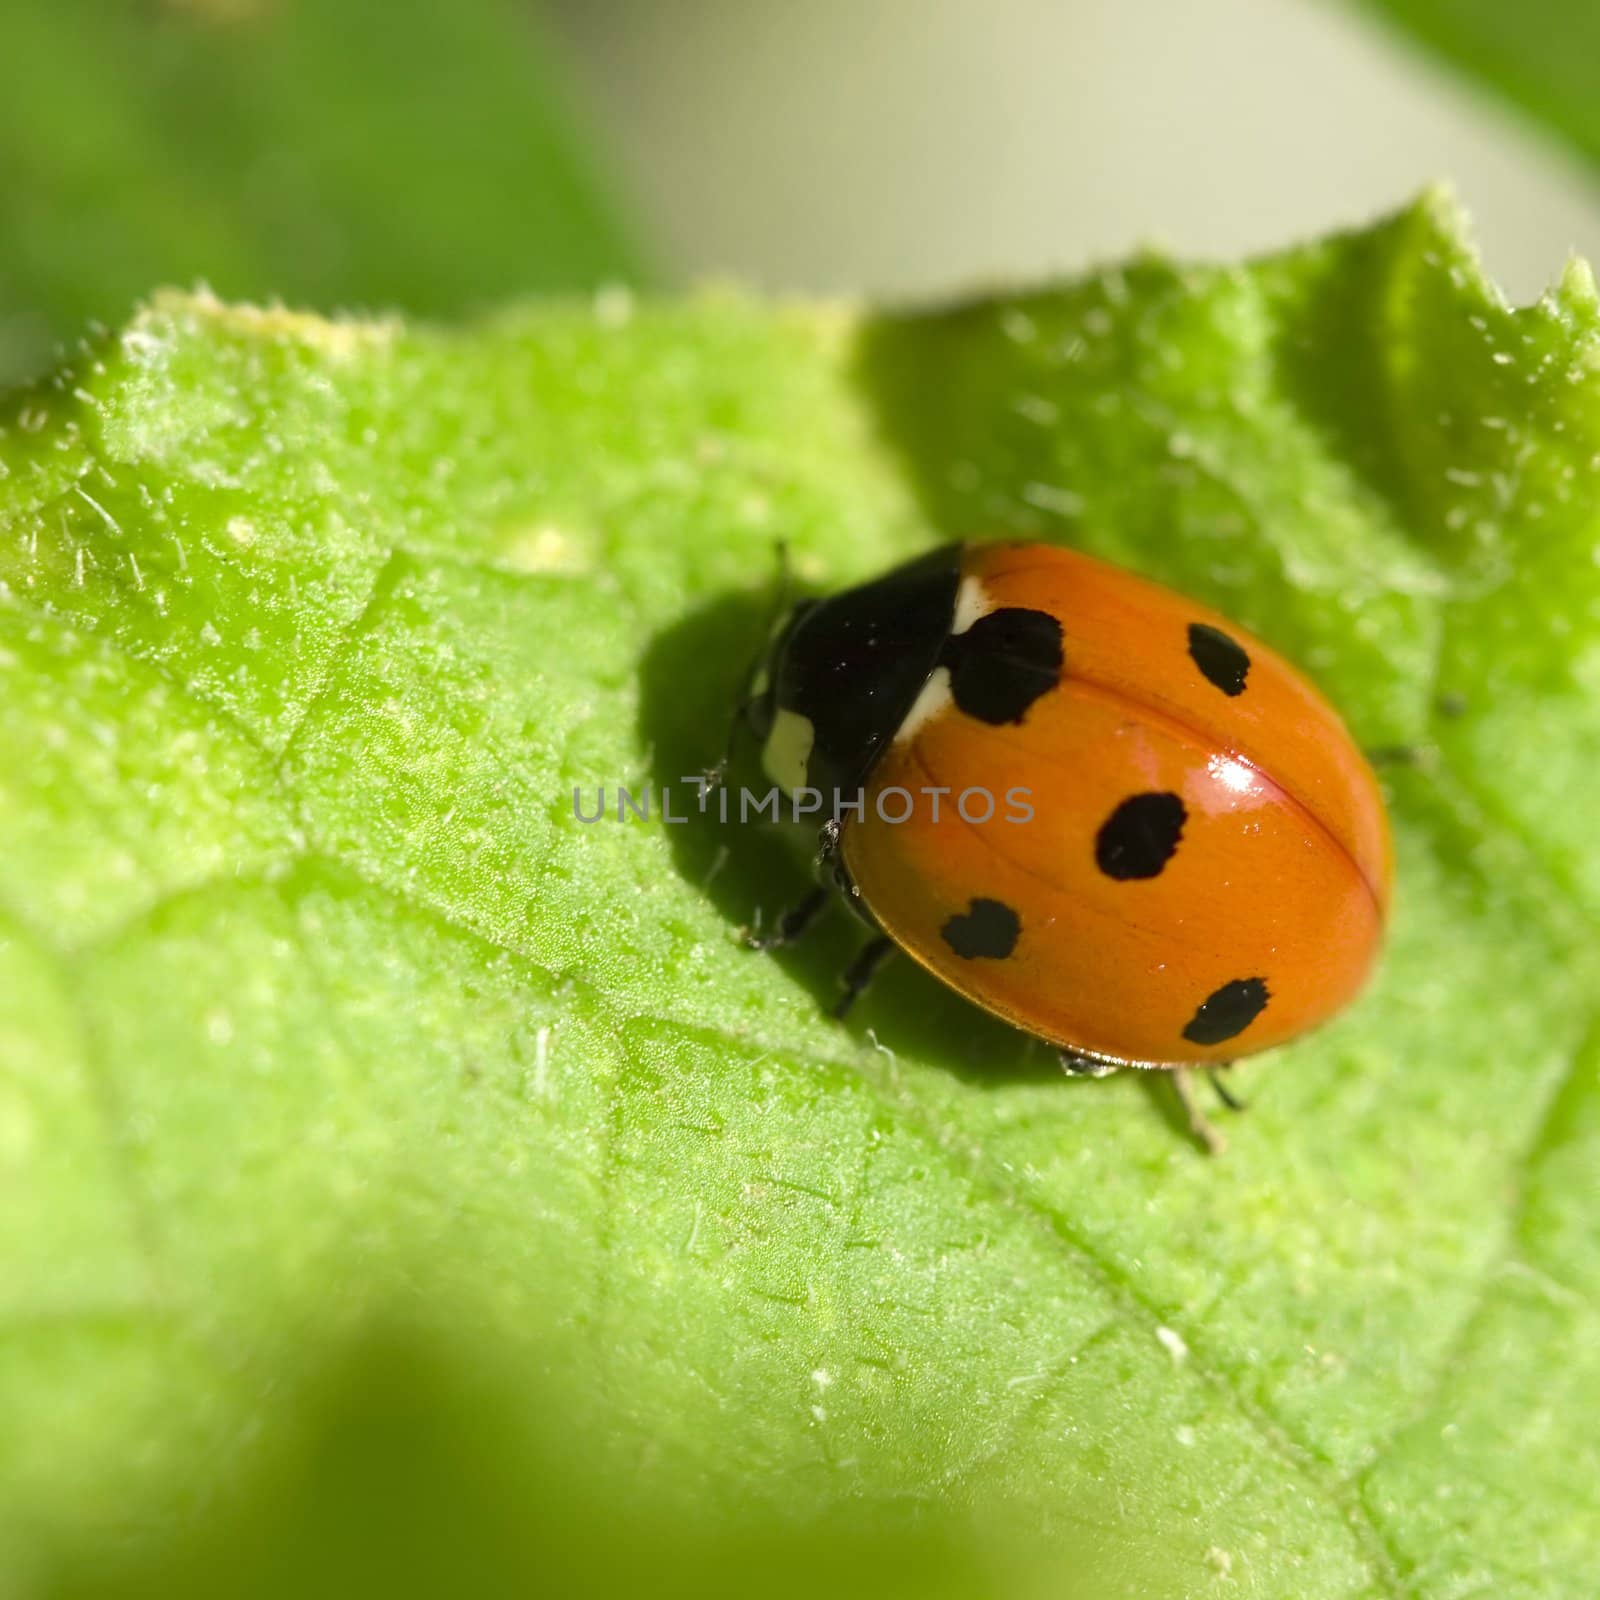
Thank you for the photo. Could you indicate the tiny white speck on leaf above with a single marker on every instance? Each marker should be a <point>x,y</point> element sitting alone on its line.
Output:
<point>1036,408</point>
<point>541,1063</point>
<point>613,305</point>
<point>1172,1343</point>
<point>139,345</point>
<point>1018,326</point>
<point>1050,497</point>
<point>543,549</point>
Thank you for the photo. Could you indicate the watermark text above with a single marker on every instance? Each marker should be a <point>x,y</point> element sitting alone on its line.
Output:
<point>893,804</point>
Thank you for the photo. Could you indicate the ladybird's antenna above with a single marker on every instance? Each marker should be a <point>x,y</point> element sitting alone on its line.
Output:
<point>713,776</point>
<point>785,577</point>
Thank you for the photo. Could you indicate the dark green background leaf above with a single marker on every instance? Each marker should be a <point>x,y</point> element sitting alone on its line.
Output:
<point>399,1469</point>
<point>335,153</point>
<point>1541,55</point>
<point>318,1002</point>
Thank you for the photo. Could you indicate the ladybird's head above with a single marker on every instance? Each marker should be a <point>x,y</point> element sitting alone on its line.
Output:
<point>839,675</point>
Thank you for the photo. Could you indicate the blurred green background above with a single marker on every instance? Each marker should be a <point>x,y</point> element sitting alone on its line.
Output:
<point>339,154</point>
<point>436,160</point>
<point>903,146</point>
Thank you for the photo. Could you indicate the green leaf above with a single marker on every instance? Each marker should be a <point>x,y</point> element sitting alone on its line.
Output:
<point>341,153</point>
<point>320,1004</point>
<point>392,1471</point>
<point>1542,56</point>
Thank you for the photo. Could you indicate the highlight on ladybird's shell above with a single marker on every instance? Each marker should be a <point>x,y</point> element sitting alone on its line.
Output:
<point>795,799</point>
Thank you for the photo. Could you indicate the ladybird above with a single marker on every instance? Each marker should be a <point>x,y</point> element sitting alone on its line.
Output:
<point>1133,829</point>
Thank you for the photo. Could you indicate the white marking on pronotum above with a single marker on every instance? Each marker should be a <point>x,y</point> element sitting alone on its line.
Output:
<point>788,749</point>
<point>972,602</point>
<point>933,697</point>
<point>1172,1342</point>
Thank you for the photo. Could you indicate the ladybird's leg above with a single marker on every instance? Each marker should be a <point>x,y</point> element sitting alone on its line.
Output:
<point>1082,1066</point>
<point>799,917</point>
<point>831,870</point>
<point>712,777</point>
<point>826,863</point>
<point>1449,706</point>
<point>1224,1093</point>
<point>1200,1125</point>
<point>1401,755</point>
<point>859,974</point>
<point>791,925</point>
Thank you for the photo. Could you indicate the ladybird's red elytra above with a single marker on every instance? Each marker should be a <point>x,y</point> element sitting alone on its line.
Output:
<point>1206,870</point>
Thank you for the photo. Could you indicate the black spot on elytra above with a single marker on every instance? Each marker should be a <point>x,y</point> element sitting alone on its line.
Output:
<point>1228,1011</point>
<point>987,930</point>
<point>1003,663</point>
<point>1224,661</point>
<point>1138,838</point>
